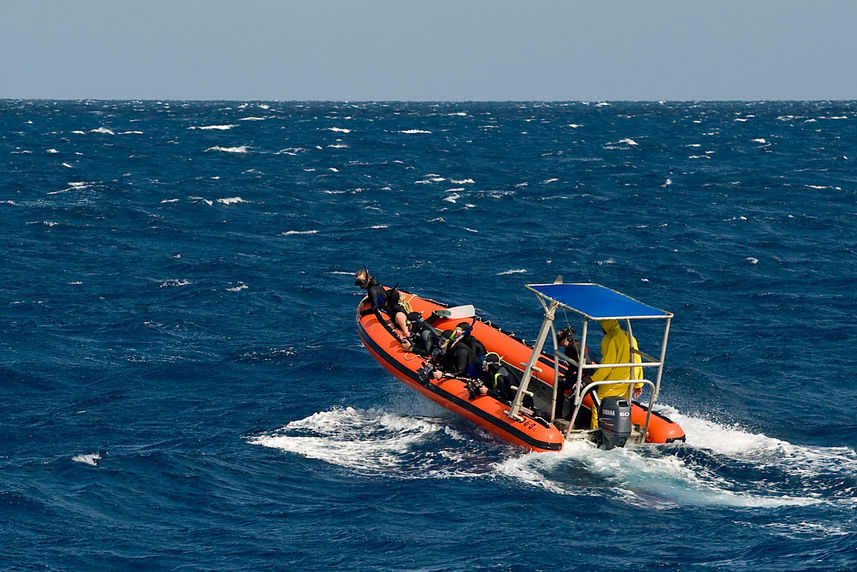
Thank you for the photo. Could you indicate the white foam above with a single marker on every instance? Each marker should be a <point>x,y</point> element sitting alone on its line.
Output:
<point>174,283</point>
<point>294,232</point>
<point>241,149</point>
<point>103,131</point>
<point>515,271</point>
<point>212,127</point>
<point>549,181</point>
<point>339,130</point>
<point>241,286</point>
<point>415,131</point>
<point>231,200</point>
<point>752,260</point>
<point>90,459</point>
<point>371,440</point>
<point>628,141</point>
<point>66,165</point>
<point>253,119</point>
<point>462,181</point>
<point>52,151</point>
<point>759,140</point>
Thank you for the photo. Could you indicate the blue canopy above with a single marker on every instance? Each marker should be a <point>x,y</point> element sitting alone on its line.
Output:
<point>596,302</point>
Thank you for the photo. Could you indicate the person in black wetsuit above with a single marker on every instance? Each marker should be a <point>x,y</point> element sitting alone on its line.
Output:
<point>569,346</point>
<point>458,359</point>
<point>424,338</point>
<point>497,379</point>
<point>379,300</point>
<point>463,332</point>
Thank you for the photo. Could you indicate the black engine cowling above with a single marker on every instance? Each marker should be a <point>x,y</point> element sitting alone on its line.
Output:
<point>614,422</point>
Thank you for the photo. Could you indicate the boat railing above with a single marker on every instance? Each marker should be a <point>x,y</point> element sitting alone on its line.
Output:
<point>631,383</point>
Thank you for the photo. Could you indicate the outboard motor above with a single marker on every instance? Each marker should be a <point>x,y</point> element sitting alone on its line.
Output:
<point>614,421</point>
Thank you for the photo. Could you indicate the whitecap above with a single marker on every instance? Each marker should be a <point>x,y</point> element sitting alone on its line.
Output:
<point>759,140</point>
<point>339,130</point>
<point>212,127</point>
<point>231,200</point>
<point>103,131</point>
<point>253,119</point>
<point>575,125</point>
<point>169,201</point>
<point>241,149</point>
<point>52,151</point>
<point>548,181</point>
<point>452,198</point>
<point>515,271</point>
<point>241,286</point>
<point>415,131</point>
<point>294,232</point>
<point>174,283</point>
<point>131,133</point>
<point>90,459</point>
<point>379,226</point>
<point>628,141</point>
<point>66,165</point>
<point>752,260</point>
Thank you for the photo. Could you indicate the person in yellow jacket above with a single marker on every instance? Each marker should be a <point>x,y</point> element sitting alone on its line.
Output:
<point>616,348</point>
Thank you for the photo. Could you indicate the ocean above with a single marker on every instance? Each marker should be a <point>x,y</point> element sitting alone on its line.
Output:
<point>182,386</point>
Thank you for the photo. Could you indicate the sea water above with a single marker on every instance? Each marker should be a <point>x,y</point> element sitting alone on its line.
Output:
<point>182,385</point>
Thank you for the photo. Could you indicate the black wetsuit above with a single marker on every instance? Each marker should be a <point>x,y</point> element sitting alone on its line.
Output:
<point>499,383</point>
<point>425,338</point>
<point>459,360</point>
<point>475,345</point>
<point>377,297</point>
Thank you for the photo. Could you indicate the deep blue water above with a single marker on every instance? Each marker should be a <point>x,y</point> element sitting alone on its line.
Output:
<point>182,385</point>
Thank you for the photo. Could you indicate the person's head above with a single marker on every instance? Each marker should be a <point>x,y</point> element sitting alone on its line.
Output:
<point>565,336</point>
<point>361,278</point>
<point>492,362</point>
<point>608,326</point>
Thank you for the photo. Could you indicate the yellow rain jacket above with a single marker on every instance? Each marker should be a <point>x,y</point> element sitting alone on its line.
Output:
<point>615,348</point>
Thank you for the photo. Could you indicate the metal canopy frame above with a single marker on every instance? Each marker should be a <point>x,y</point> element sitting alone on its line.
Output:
<point>592,302</point>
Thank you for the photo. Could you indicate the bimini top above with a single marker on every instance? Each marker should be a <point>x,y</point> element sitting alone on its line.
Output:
<point>596,302</point>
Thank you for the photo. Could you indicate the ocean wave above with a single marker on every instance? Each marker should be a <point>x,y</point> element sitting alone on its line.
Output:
<point>231,200</point>
<point>297,232</point>
<point>87,459</point>
<point>213,127</point>
<point>239,149</point>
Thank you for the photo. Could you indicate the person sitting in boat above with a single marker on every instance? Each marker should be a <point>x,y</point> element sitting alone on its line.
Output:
<point>458,359</point>
<point>497,380</point>
<point>374,290</point>
<point>616,347</point>
<point>379,299</point>
<point>397,311</point>
<point>464,335</point>
<point>569,347</point>
<point>424,339</point>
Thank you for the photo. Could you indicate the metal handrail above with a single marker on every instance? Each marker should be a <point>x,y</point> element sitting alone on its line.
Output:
<point>630,382</point>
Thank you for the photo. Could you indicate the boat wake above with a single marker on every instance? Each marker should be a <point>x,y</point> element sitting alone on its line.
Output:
<point>718,465</point>
<point>375,441</point>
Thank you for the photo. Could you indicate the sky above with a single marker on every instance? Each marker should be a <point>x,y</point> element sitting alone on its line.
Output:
<point>429,50</point>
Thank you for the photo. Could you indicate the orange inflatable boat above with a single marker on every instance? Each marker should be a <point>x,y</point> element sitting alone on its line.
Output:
<point>539,417</point>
